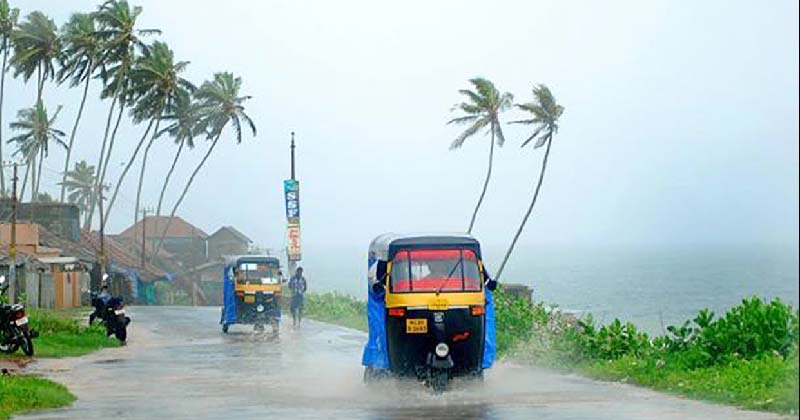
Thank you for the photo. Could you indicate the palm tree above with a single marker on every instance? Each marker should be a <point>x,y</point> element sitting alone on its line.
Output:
<point>482,110</point>
<point>36,49</point>
<point>545,112</point>
<point>121,39</point>
<point>8,21</point>
<point>78,62</point>
<point>80,184</point>
<point>184,128</point>
<point>38,131</point>
<point>221,105</point>
<point>155,84</point>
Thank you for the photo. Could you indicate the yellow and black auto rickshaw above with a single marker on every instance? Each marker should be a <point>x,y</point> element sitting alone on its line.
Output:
<point>429,309</point>
<point>251,292</point>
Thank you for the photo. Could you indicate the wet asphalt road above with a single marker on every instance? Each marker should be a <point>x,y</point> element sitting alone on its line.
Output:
<point>178,365</point>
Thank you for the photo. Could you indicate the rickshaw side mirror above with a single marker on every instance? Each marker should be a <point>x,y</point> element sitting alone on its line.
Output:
<point>378,288</point>
<point>491,285</point>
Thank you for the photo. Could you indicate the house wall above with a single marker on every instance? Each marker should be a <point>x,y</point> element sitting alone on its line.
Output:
<point>39,288</point>
<point>225,243</point>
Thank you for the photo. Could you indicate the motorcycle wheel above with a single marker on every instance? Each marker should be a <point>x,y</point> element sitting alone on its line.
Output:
<point>439,379</point>
<point>27,344</point>
<point>121,334</point>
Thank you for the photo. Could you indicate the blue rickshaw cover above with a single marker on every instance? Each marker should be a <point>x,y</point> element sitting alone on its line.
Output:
<point>228,296</point>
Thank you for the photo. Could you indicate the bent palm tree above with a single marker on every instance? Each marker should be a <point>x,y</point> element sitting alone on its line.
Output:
<point>78,62</point>
<point>79,184</point>
<point>120,37</point>
<point>482,110</point>
<point>36,49</point>
<point>221,105</point>
<point>185,127</point>
<point>155,84</point>
<point>8,21</point>
<point>546,113</point>
<point>38,132</point>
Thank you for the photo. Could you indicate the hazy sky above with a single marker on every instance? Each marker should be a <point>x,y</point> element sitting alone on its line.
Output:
<point>681,121</point>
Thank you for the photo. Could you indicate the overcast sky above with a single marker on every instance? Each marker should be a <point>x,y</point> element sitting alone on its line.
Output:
<point>681,121</point>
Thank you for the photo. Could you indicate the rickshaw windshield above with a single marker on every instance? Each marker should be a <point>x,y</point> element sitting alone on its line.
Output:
<point>251,272</point>
<point>432,270</point>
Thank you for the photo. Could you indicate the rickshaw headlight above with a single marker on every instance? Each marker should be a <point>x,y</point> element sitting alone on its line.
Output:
<point>260,308</point>
<point>442,349</point>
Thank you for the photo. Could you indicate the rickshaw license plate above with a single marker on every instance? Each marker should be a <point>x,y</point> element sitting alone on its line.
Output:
<point>416,326</point>
<point>438,305</point>
<point>249,299</point>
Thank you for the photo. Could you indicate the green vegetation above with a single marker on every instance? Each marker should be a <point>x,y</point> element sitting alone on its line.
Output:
<point>62,335</point>
<point>747,357</point>
<point>336,308</point>
<point>19,394</point>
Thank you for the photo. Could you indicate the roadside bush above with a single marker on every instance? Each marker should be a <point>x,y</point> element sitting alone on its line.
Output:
<point>514,318</point>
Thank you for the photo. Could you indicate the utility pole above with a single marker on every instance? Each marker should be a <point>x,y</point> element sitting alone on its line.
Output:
<point>293,178</point>
<point>144,234</point>
<point>102,258</point>
<point>12,248</point>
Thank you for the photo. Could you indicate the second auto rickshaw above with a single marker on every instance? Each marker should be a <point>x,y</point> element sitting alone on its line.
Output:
<point>251,292</point>
<point>430,309</point>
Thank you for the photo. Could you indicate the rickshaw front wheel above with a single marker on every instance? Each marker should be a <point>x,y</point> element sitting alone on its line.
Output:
<point>439,379</point>
<point>225,328</point>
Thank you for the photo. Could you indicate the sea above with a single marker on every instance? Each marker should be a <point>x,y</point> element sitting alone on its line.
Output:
<point>651,286</point>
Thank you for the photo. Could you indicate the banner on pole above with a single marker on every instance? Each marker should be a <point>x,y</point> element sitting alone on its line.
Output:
<point>293,242</point>
<point>291,191</point>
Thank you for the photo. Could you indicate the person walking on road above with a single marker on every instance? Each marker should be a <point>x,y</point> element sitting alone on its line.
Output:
<point>298,286</point>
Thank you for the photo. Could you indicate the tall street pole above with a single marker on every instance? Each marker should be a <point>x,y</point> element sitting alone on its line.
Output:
<point>12,249</point>
<point>102,235</point>
<point>293,178</point>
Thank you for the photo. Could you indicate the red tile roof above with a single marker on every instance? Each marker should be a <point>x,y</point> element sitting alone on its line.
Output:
<point>154,226</point>
<point>119,255</point>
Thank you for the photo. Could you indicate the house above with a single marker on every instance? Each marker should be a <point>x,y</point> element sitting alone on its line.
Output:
<point>182,240</point>
<point>209,278</point>
<point>227,241</point>
<point>45,276</point>
<point>60,219</point>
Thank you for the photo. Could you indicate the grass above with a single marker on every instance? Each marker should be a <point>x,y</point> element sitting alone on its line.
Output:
<point>336,308</point>
<point>20,394</point>
<point>64,333</point>
<point>767,383</point>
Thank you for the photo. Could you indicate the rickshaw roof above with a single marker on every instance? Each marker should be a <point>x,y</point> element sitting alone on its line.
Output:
<point>383,245</point>
<point>232,259</point>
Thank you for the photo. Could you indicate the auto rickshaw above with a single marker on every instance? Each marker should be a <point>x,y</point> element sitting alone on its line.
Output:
<point>430,309</point>
<point>251,292</point>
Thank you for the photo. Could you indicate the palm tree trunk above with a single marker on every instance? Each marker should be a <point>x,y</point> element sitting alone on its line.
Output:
<point>125,171</point>
<point>38,176</point>
<point>530,209</point>
<point>144,169</point>
<point>32,165</point>
<point>111,146</point>
<point>169,175</point>
<point>24,182</point>
<point>40,87</point>
<point>183,194</point>
<point>101,162</point>
<point>72,137</point>
<point>2,91</point>
<point>485,183</point>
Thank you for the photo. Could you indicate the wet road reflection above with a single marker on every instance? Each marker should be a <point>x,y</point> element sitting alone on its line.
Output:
<point>179,365</point>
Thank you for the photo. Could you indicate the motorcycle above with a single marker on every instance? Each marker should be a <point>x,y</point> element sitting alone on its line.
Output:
<point>112,315</point>
<point>14,330</point>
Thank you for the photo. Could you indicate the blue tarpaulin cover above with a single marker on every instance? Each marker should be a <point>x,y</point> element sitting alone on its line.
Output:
<point>490,341</point>
<point>228,297</point>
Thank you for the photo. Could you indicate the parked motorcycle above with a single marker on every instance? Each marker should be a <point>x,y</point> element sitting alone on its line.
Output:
<point>14,330</point>
<point>112,315</point>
